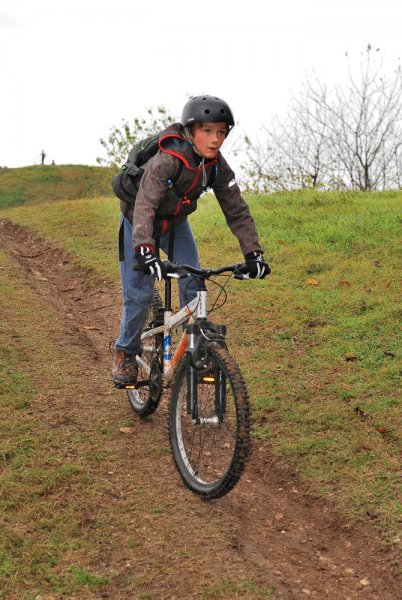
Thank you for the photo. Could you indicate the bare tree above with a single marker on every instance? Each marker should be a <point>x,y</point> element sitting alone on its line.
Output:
<point>364,125</point>
<point>350,138</point>
<point>293,153</point>
<point>259,173</point>
<point>302,141</point>
<point>121,139</point>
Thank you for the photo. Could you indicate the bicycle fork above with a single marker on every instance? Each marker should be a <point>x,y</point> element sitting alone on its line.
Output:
<point>200,374</point>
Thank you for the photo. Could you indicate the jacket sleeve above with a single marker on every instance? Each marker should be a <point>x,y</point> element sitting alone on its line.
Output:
<point>235,209</point>
<point>153,188</point>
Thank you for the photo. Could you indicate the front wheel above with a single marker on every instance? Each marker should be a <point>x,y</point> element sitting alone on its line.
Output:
<point>209,424</point>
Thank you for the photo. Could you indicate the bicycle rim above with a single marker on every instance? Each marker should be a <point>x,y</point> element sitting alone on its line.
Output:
<point>211,451</point>
<point>144,399</point>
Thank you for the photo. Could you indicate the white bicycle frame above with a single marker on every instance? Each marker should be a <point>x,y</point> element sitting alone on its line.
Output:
<point>172,320</point>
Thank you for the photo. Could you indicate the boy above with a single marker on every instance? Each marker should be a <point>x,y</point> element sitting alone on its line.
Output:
<point>188,162</point>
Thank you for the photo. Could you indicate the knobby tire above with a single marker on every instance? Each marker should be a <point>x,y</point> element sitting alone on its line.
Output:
<point>145,399</point>
<point>210,456</point>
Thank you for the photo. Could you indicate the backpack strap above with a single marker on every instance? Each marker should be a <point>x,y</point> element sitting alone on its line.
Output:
<point>213,176</point>
<point>177,146</point>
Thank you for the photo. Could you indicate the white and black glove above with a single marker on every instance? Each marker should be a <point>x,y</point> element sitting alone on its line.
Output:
<point>255,266</point>
<point>146,258</point>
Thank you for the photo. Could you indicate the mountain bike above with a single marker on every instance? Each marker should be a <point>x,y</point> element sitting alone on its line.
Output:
<point>209,408</point>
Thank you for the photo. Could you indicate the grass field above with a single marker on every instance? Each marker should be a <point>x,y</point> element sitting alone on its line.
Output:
<point>319,341</point>
<point>49,183</point>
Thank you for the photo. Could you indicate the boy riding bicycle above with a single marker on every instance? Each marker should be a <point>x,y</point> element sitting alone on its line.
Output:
<point>188,162</point>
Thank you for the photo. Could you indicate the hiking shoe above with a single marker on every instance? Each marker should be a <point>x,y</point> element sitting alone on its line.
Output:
<point>124,368</point>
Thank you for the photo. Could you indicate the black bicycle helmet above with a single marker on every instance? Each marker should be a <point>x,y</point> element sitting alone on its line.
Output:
<point>207,109</point>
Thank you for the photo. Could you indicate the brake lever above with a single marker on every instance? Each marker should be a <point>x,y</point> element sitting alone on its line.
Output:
<point>177,274</point>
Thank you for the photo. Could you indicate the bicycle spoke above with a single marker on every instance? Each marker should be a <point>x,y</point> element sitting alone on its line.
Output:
<point>144,399</point>
<point>211,454</point>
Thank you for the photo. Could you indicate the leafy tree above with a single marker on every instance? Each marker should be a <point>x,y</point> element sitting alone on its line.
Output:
<point>122,138</point>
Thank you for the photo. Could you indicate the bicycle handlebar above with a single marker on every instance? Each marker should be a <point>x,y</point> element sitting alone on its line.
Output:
<point>173,270</point>
<point>172,267</point>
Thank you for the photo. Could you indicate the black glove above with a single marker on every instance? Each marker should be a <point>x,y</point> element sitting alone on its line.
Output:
<point>152,265</point>
<point>255,266</point>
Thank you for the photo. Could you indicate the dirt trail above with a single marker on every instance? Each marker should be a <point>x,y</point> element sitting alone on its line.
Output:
<point>269,528</point>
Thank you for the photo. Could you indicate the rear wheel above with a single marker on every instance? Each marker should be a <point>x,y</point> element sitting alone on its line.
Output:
<point>145,397</point>
<point>211,445</point>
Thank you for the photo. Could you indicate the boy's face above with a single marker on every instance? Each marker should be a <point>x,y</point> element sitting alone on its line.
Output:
<point>209,137</point>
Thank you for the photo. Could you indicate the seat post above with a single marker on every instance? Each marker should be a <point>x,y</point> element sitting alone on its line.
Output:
<point>168,281</point>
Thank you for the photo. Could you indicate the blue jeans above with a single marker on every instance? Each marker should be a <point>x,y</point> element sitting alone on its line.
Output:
<point>137,288</point>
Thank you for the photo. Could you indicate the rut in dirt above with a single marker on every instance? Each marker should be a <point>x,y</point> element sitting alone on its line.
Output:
<point>270,522</point>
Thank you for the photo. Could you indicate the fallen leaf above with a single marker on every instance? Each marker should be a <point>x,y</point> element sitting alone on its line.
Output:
<point>351,358</point>
<point>344,283</point>
<point>127,429</point>
<point>389,284</point>
<point>376,263</point>
<point>312,282</point>
<point>383,430</point>
<point>364,581</point>
<point>92,328</point>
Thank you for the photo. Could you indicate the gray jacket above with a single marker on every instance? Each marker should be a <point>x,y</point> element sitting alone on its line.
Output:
<point>167,190</point>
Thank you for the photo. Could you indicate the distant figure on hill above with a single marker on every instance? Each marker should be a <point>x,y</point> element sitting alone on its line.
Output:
<point>43,156</point>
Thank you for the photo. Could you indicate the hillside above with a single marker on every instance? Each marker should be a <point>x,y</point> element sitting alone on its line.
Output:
<point>93,506</point>
<point>49,183</point>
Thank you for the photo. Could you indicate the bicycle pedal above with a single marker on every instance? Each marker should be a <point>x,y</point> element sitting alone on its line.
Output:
<point>125,386</point>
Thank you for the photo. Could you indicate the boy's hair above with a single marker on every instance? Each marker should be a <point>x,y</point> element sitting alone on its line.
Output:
<point>207,109</point>
<point>191,128</point>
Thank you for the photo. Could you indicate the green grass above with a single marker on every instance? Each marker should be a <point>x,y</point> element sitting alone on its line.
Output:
<point>82,576</point>
<point>47,183</point>
<point>245,588</point>
<point>86,228</point>
<point>317,357</point>
<point>41,541</point>
<point>322,362</point>
<point>66,530</point>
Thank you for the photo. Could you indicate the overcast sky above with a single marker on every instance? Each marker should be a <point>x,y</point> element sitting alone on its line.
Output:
<point>71,69</point>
